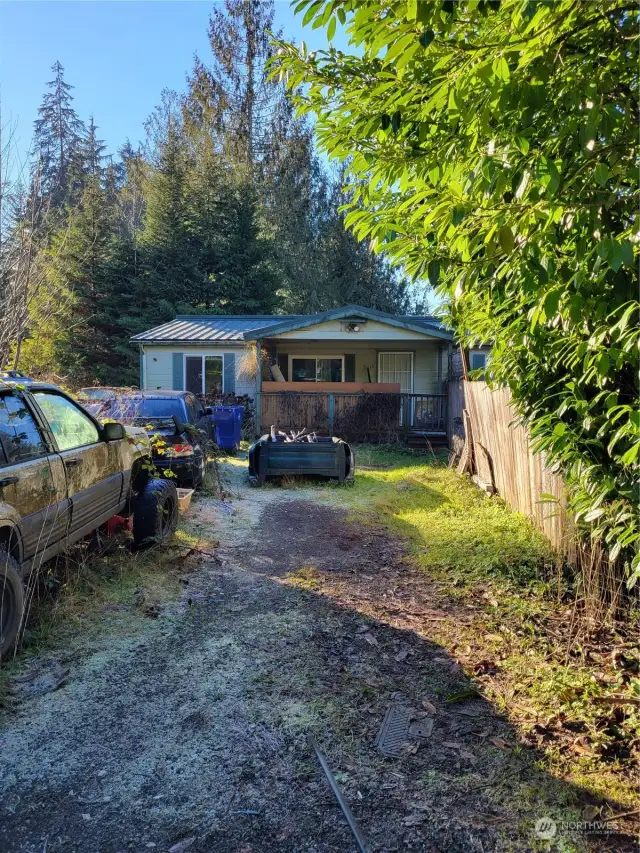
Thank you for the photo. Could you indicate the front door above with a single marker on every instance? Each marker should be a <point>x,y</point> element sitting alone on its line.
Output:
<point>95,479</point>
<point>397,367</point>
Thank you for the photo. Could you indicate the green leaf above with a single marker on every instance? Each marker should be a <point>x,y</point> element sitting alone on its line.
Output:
<point>433,272</point>
<point>601,174</point>
<point>500,68</point>
<point>507,242</point>
<point>603,364</point>
<point>426,38</point>
<point>629,457</point>
<point>331,29</point>
<point>424,11</point>
<point>626,253</point>
<point>313,8</point>
<point>551,302</point>
<point>523,144</point>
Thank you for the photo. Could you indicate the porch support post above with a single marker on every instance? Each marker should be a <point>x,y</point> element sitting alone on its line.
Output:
<point>406,413</point>
<point>439,370</point>
<point>258,416</point>
<point>331,411</point>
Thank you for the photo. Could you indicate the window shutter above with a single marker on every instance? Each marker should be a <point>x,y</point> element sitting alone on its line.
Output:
<point>283,364</point>
<point>178,371</point>
<point>229,373</point>
<point>349,368</point>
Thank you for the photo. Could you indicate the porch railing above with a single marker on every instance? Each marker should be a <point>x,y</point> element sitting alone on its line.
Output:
<point>363,414</point>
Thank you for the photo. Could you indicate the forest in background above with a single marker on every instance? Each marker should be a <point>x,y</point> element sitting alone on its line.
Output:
<point>225,208</point>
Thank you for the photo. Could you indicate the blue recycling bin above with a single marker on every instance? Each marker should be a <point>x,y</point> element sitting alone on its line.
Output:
<point>228,423</point>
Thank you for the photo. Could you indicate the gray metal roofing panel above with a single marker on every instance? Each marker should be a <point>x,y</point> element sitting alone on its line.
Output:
<point>205,328</point>
<point>226,328</point>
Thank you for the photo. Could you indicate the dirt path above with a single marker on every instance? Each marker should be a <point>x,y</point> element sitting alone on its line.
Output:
<point>193,735</point>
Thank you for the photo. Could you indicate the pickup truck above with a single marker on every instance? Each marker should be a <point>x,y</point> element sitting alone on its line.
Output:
<point>63,475</point>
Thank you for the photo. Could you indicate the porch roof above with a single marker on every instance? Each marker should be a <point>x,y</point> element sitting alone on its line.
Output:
<point>220,329</point>
<point>424,325</point>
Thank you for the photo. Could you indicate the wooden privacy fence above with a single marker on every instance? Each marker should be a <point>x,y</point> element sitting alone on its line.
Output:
<point>518,475</point>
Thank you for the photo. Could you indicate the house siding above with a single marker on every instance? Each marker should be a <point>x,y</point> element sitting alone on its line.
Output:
<point>158,365</point>
<point>334,330</point>
<point>425,360</point>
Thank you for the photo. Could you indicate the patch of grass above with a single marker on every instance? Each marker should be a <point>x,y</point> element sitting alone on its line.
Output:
<point>306,577</point>
<point>80,599</point>
<point>493,562</point>
<point>451,525</point>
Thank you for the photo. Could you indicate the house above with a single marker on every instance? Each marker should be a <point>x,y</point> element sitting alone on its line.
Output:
<point>325,364</point>
<point>477,358</point>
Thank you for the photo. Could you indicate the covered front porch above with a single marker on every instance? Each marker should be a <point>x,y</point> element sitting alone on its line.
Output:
<point>363,415</point>
<point>363,389</point>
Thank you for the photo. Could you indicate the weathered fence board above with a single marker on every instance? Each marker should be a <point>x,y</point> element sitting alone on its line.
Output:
<point>520,476</point>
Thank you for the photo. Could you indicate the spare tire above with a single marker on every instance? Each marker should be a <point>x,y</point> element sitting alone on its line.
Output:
<point>155,513</point>
<point>11,602</point>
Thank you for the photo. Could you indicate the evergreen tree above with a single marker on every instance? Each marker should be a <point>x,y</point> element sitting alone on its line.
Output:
<point>247,282</point>
<point>169,255</point>
<point>58,138</point>
<point>233,99</point>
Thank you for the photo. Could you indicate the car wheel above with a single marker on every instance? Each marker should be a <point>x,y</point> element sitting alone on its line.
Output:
<point>155,513</point>
<point>11,602</point>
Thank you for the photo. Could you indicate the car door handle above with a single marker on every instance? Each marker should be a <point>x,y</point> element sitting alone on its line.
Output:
<point>73,460</point>
<point>8,481</point>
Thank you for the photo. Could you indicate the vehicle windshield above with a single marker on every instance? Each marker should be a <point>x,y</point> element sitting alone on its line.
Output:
<point>143,409</point>
<point>96,393</point>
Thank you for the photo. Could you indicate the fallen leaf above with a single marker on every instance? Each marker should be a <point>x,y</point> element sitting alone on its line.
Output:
<point>402,655</point>
<point>413,819</point>
<point>451,745</point>
<point>370,639</point>
<point>499,742</point>
<point>182,845</point>
<point>428,706</point>
<point>28,676</point>
<point>469,756</point>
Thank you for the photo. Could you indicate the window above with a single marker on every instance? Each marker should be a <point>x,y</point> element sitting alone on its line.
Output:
<point>144,409</point>
<point>70,426</point>
<point>317,369</point>
<point>19,433</point>
<point>478,360</point>
<point>203,374</point>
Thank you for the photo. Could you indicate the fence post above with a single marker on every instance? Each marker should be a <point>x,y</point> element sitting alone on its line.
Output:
<point>331,411</point>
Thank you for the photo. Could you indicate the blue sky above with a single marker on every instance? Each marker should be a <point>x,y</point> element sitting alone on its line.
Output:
<point>118,55</point>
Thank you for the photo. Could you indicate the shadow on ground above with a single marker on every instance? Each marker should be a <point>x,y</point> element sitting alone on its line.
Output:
<point>196,733</point>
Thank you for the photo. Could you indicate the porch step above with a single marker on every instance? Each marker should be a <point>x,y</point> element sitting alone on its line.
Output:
<point>419,439</point>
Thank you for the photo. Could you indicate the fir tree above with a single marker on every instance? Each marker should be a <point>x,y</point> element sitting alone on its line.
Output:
<point>58,139</point>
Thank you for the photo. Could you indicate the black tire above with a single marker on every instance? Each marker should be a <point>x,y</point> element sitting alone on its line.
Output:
<point>11,602</point>
<point>155,513</point>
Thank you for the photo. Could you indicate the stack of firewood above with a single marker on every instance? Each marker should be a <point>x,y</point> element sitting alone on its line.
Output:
<point>293,436</point>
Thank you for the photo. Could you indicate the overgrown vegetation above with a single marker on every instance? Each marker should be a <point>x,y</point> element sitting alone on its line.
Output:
<point>493,147</point>
<point>572,694</point>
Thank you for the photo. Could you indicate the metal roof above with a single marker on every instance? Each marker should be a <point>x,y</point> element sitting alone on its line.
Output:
<point>225,328</point>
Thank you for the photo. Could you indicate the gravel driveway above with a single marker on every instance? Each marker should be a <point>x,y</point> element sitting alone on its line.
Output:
<point>193,734</point>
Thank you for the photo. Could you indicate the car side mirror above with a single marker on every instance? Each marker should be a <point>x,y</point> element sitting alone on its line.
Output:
<point>208,410</point>
<point>113,431</point>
